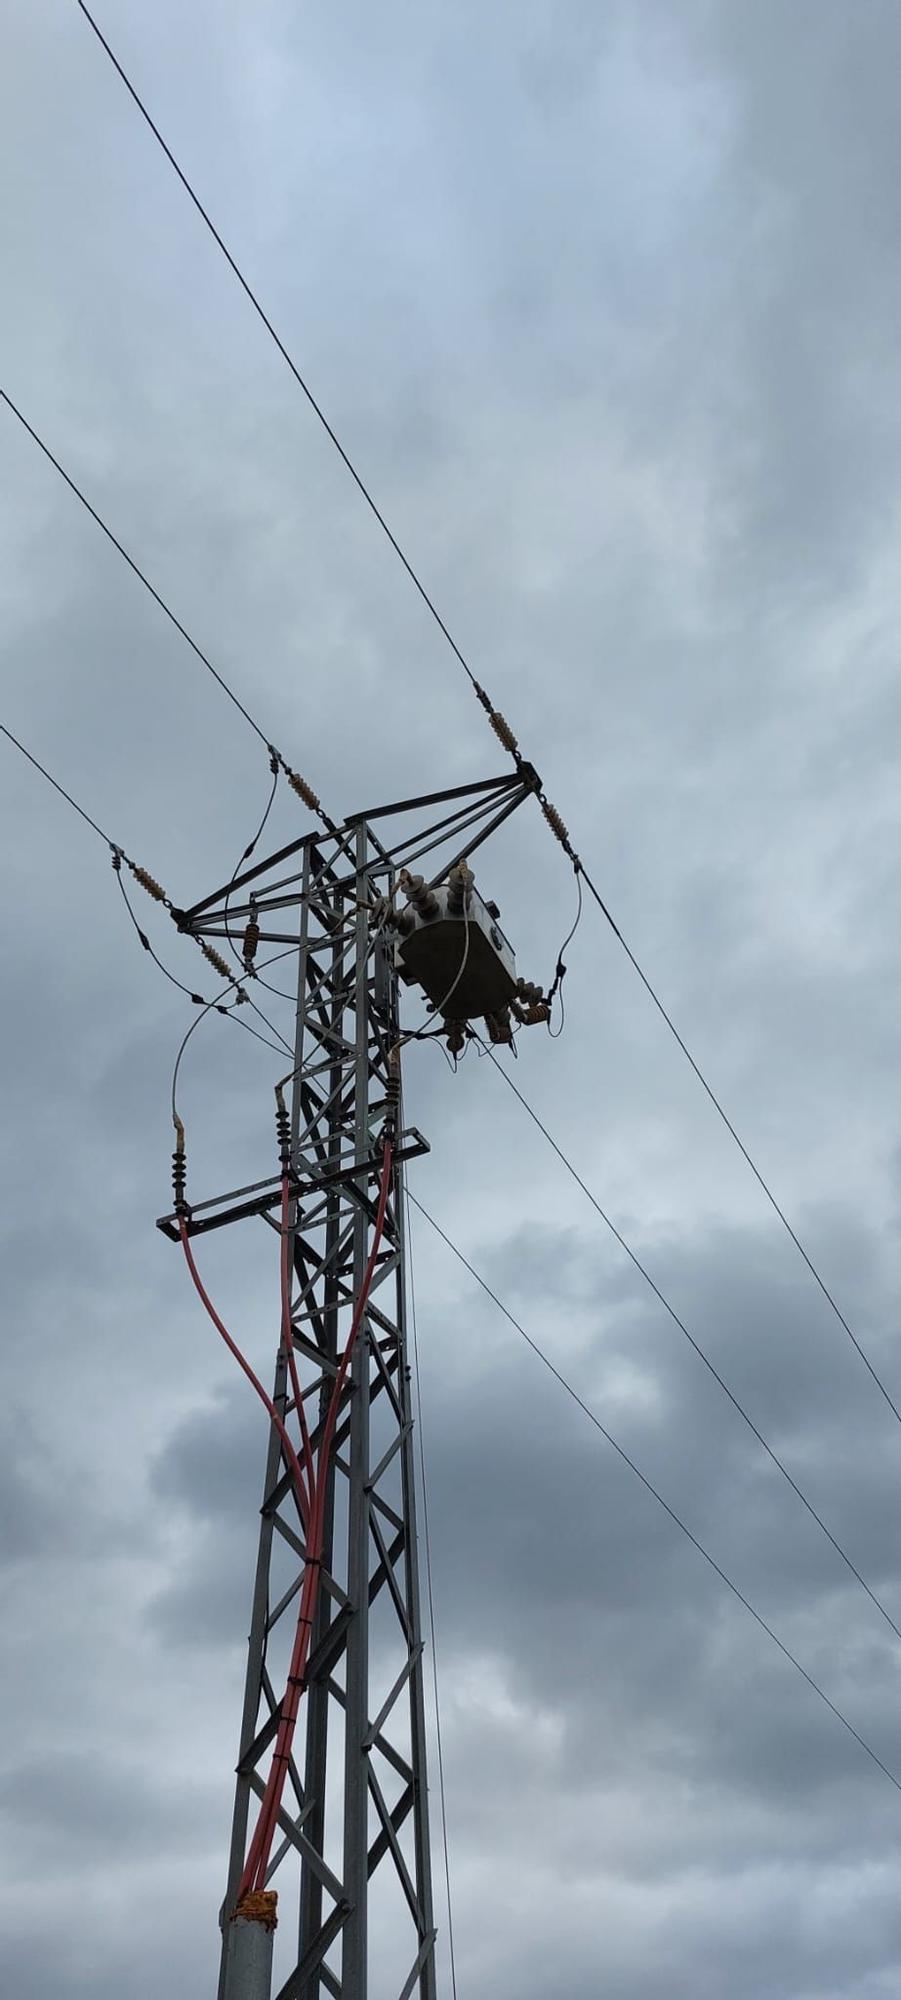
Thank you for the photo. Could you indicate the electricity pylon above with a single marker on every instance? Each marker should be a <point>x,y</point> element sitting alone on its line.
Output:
<point>349,1854</point>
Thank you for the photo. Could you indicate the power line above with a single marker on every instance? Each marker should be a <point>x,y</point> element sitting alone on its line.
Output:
<point>118,854</point>
<point>431,1601</point>
<point>656,1495</point>
<point>262,315</point>
<point>245,854</point>
<point>730,1128</point>
<point>498,723</point>
<point>712,1370</point>
<point>58,787</point>
<point>136,570</point>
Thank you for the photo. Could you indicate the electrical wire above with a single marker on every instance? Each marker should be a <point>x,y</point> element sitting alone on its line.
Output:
<point>497,721</point>
<point>427,1033</point>
<point>288,1343</point>
<point>302,384</point>
<point>658,1496</point>
<point>58,787</point>
<point>211,1007</point>
<point>730,1128</point>
<point>695,1345</point>
<point>241,1359</point>
<point>256,1863</point>
<point>208,1006</point>
<point>560,971</point>
<point>285,1047</point>
<point>442,1004</point>
<point>137,571</point>
<point>118,853</point>
<point>197,998</point>
<point>245,856</point>
<point>430,1594</point>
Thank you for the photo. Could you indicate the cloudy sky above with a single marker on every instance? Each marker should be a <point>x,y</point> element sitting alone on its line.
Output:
<point>604,302</point>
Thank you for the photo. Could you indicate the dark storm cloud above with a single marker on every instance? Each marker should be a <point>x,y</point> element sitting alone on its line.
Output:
<point>603,302</point>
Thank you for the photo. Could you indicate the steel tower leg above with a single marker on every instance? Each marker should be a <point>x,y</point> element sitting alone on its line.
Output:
<point>352,1841</point>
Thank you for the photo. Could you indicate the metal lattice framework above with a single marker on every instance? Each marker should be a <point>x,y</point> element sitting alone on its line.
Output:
<point>352,1849</point>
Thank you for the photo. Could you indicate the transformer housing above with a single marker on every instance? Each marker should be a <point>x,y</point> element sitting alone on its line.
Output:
<point>431,956</point>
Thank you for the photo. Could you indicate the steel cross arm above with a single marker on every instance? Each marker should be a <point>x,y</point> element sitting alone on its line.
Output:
<point>317,839</point>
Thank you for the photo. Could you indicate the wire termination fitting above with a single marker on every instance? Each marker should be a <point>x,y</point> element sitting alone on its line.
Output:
<point>423,899</point>
<point>392,1091</point>
<point>283,1130</point>
<point>258,1906</point>
<point>459,884</point>
<point>499,1026</point>
<point>179,1168</point>
<point>529,1014</point>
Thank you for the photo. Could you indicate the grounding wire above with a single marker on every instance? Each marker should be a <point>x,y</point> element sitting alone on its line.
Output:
<point>712,1370</point>
<point>658,1496</point>
<point>430,1594</point>
<point>463,662</point>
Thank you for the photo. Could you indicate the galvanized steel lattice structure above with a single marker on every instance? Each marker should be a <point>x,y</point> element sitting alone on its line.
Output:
<point>351,1857</point>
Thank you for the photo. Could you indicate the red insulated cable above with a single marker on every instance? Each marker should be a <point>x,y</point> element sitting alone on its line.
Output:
<point>257,1862</point>
<point>288,1342</point>
<point>293,1460</point>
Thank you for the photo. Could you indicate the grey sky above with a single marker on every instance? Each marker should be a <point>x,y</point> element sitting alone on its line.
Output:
<point>604,302</point>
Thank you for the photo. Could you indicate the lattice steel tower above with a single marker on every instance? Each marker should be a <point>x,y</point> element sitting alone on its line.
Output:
<point>348,1845</point>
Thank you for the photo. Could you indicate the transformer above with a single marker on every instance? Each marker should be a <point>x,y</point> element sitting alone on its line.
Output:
<point>451,945</point>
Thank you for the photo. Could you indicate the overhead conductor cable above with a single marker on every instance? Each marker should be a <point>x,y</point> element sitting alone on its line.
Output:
<point>497,720</point>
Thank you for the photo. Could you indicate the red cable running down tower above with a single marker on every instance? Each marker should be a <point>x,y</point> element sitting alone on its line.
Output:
<point>310,1473</point>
